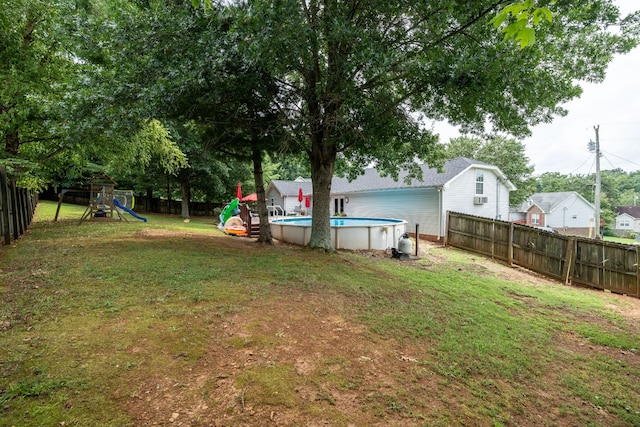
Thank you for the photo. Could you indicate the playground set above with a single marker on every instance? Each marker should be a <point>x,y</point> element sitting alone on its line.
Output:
<point>105,201</point>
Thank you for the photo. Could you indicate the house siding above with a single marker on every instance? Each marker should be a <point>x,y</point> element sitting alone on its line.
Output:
<point>566,212</point>
<point>414,205</point>
<point>541,216</point>
<point>459,195</point>
<point>274,199</point>
<point>424,203</point>
<point>625,222</point>
<point>422,206</point>
<point>562,215</point>
<point>632,228</point>
<point>286,203</point>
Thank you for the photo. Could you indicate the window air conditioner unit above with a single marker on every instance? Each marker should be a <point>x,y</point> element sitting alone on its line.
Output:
<point>480,200</point>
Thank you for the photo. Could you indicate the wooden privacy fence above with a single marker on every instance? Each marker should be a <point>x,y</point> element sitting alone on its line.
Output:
<point>17,206</point>
<point>577,260</point>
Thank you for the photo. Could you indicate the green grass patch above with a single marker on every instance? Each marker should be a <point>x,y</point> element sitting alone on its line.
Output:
<point>269,385</point>
<point>614,339</point>
<point>101,321</point>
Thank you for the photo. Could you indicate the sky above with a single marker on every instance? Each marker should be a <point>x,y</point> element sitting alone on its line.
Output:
<point>613,105</point>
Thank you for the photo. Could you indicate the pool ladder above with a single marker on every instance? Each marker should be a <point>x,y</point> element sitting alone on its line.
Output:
<point>275,211</point>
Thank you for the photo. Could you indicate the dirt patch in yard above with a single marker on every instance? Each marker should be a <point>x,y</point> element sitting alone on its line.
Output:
<point>303,359</point>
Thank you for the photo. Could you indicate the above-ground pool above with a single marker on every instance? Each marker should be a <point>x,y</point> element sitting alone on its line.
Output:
<point>346,233</point>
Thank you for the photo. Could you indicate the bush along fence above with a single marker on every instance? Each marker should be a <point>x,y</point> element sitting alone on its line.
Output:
<point>17,206</point>
<point>576,260</point>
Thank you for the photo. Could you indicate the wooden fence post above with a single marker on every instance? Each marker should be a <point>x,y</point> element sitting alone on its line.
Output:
<point>4,194</point>
<point>493,238</point>
<point>446,237</point>
<point>510,246</point>
<point>14,209</point>
<point>21,211</point>
<point>569,255</point>
<point>637,271</point>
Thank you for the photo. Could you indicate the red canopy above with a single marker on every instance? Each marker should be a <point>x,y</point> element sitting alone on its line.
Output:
<point>253,197</point>
<point>239,191</point>
<point>307,202</point>
<point>300,195</point>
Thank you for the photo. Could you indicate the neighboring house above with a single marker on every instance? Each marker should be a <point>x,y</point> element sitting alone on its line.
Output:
<point>566,212</point>
<point>628,220</point>
<point>283,196</point>
<point>464,185</point>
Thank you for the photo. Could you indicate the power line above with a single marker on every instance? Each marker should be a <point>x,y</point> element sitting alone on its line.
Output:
<point>622,158</point>
<point>583,163</point>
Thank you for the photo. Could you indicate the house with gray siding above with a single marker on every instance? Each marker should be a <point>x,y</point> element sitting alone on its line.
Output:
<point>567,212</point>
<point>464,185</point>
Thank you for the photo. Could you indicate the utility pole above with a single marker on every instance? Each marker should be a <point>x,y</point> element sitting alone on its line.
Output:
<point>596,147</point>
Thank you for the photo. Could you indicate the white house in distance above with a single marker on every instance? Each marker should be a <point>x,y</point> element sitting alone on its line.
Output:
<point>628,220</point>
<point>284,196</point>
<point>464,185</point>
<point>566,212</point>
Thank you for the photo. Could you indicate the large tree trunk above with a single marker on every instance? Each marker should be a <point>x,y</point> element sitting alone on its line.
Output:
<point>263,214</point>
<point>323,158</point>
<point>185,190</point>
<point>324,108</point>
<point>12,142</point>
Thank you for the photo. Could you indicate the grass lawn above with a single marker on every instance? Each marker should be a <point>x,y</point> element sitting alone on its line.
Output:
<point>171,323</point>
<point>622,240</point>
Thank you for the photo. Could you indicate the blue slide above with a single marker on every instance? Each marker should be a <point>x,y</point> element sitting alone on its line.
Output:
<point>126,209</point>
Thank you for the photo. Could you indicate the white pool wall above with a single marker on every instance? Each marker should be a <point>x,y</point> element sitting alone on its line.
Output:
<point>352,235</point>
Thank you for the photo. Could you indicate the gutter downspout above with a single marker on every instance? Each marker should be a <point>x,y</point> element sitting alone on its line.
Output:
<point>498,198</point>
<point>440,213</point>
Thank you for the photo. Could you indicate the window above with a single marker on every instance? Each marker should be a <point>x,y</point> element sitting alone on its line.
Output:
<point>338,206</point>
<point>535,218</point>
<point>624,222</point>
<point>479,182</point>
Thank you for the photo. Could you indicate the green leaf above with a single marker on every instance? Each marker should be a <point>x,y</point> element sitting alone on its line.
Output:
<point>526,37</point>
<point>541,13</point>
<point>512,30</point>
<point>514,9</point>
<point>498,19</point>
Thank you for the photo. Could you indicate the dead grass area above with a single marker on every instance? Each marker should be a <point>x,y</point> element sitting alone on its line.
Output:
<point>302,359</point>
<point>327,371</point>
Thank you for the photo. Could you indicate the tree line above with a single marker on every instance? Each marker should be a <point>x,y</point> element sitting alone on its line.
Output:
<point>191,97</point>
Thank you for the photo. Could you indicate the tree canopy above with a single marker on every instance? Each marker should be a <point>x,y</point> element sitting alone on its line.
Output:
<point>345,83</point>
<point>356,76</point>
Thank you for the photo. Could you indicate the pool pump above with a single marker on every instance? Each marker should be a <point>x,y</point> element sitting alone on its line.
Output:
<point>405,247</point>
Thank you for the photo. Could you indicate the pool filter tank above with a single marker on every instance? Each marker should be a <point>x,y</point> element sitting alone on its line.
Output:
<point>405,247</point>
